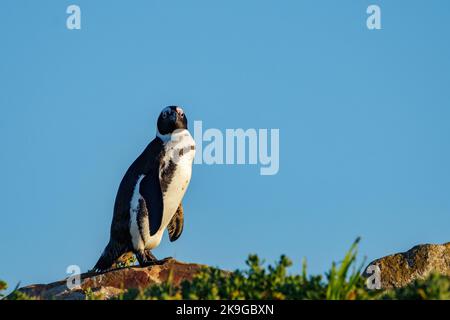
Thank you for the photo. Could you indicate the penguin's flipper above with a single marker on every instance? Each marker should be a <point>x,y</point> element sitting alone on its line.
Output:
<point>150,191</point>
<point>175,227</point>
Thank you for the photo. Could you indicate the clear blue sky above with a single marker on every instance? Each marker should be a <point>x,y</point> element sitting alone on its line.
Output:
<point>363,118</point>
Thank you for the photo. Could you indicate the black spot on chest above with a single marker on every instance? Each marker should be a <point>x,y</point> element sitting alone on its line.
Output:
<point>167,174</point>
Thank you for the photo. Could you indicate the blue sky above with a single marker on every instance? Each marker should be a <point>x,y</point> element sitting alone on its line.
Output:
<point>363,118</point>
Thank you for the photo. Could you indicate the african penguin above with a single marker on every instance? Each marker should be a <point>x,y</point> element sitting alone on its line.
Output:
<point>149,197</point>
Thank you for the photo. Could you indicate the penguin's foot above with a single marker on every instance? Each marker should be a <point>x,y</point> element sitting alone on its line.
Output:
<point>163,261</point>
<point>145,258</point>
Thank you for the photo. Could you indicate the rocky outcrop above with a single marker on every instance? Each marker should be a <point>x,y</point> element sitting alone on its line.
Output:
<point>112,283</point>
<point>398,270</point>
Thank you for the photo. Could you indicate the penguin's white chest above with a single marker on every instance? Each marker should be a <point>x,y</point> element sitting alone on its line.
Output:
<point>179,155</point>
<point>176,189</point>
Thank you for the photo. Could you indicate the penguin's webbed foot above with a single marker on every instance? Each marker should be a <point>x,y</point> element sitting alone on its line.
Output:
<point>163,261</point>
<point>145,258</point>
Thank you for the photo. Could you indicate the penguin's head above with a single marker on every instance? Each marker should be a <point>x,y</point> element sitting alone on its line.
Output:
<point>170,119</point>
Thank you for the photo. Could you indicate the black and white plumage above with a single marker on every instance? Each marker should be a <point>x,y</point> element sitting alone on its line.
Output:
<point>149,197</point>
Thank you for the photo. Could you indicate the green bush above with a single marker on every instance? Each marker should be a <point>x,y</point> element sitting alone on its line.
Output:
<point>342,282</point>
<point>3,287</point>
<point>15,295</point>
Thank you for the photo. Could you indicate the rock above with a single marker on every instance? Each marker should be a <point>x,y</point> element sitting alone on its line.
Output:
<point>398,270</point>
<point>112,283</point>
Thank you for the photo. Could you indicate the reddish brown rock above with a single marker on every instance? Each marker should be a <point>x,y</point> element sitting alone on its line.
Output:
<point>112,283</point>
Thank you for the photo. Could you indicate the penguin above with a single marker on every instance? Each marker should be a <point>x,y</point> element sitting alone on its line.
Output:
<point>149,197</point>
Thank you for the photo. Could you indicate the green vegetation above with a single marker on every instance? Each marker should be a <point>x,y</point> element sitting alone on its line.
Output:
<point>3,287</point>
<point>15,295</point>
<point>343,281</point>
<point>125,261</point>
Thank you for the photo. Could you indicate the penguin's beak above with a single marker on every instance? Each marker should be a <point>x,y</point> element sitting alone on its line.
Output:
<point>173,116</point>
